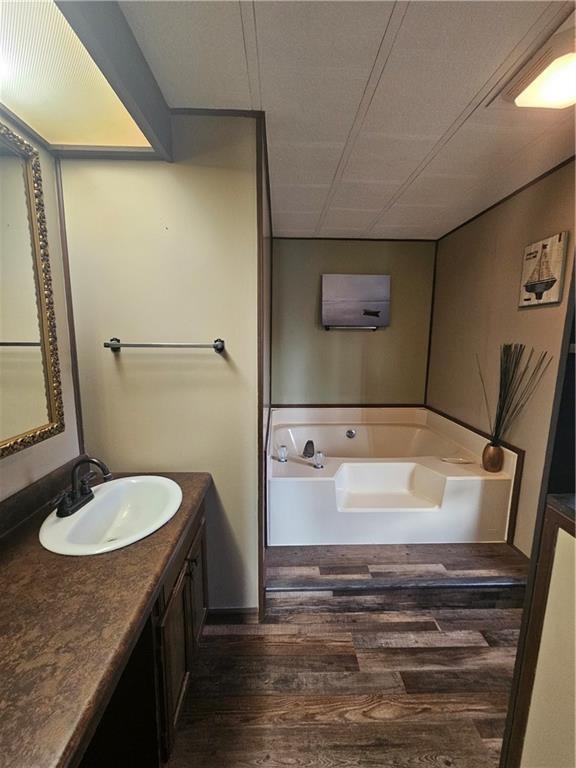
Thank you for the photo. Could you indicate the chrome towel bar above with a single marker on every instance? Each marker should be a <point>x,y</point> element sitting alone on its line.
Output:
<point>115,345</point>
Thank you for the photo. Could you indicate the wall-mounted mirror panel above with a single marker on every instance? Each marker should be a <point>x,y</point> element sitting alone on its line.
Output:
<point>30,389</point>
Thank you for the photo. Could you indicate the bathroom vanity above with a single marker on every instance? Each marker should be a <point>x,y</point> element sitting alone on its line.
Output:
<point>97,651</point>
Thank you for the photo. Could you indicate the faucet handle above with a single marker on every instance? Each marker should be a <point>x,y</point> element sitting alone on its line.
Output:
<point>63,504</point>
<point>85,480</point>
<point>59,498</point>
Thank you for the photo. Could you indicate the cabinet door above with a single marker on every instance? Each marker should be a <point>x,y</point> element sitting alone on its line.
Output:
<point>176,645</point>
<point>199,601</point>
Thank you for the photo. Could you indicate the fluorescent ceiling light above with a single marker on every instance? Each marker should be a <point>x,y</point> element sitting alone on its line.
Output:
<point>49,80</point>
<point>554,88</point>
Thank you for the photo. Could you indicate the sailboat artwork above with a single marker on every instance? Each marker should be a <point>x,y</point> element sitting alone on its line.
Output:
<point>541,278</point>
<point>543,271</point>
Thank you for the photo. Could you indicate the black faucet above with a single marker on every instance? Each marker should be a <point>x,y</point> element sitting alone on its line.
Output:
<point>81,493</point>
<point>308,451</point>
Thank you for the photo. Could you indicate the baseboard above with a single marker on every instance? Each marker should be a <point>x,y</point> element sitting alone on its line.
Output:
<point>232,616</point>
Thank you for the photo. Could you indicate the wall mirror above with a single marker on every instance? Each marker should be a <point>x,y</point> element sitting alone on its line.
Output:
<point>30,389</point>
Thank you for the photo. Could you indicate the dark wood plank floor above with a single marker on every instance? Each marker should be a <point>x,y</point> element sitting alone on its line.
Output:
<point>343,679</point>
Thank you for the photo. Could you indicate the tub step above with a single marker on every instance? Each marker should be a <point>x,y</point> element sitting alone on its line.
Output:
<point>394,593</point>
<point>375,585</point>
<point>355,578</point>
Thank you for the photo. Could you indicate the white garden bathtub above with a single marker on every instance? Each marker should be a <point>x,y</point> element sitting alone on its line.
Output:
<point>390,476</point>
<point>371,441</point>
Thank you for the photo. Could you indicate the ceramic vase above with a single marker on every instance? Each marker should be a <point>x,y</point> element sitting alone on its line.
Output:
<point>492,457</point>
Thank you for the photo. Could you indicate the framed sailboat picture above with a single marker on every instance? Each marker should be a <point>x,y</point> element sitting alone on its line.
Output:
<point>543,271</point>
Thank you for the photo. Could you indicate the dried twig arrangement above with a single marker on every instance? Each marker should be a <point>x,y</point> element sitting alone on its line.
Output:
<point>518,382</point>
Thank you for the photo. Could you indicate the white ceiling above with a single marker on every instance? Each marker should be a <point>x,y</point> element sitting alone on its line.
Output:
<point>381,116</point>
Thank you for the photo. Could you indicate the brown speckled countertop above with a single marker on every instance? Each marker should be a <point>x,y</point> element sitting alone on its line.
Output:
<point>67,626</point>
<point>563,503</point>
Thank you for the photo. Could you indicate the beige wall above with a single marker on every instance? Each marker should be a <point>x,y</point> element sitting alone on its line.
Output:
<point>550,738</point>
<point>168,252</point>
<point>22,468</point>
<point>476,310</point>
<point>311,365</point>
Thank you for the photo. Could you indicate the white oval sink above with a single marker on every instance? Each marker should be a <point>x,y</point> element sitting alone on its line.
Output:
<point>122,511</point>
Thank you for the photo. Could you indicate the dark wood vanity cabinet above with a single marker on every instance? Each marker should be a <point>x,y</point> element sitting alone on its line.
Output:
<point>181,615</point>
<point>154,682</point>
<point>120,657</point>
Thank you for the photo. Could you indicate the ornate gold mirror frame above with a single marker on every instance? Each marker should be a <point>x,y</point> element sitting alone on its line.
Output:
<point>45,298</point>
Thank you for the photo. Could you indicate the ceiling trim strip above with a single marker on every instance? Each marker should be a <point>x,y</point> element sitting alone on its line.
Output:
<point>251,54</point>
<point>384,51</point>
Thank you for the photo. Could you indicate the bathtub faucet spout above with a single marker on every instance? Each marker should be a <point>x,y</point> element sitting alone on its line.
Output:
<point>308,451</point>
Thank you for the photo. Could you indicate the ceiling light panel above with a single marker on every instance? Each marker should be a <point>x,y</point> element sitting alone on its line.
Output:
<point>554,88</point>
<point>49,80</point>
